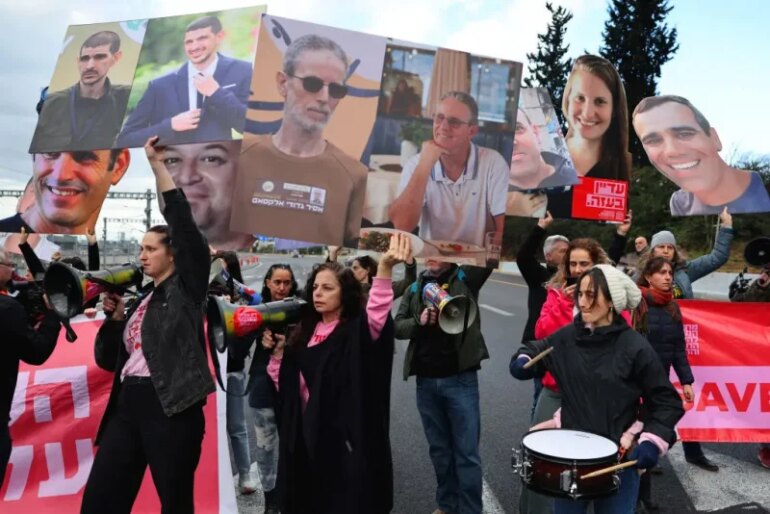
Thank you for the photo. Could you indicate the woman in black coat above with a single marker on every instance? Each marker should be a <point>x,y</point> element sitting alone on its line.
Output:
<point>658,318</point>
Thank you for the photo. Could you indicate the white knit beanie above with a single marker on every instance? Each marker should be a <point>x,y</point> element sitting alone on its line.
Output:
<point>624,293</point>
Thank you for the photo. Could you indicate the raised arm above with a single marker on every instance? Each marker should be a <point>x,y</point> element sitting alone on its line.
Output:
<point>705,264</point>
<point>534,274</point>
<point>191,250</point>
<point>381,294</point>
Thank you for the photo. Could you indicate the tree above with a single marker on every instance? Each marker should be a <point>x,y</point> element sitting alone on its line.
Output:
<point>638,42</point>
<point>548,67</point>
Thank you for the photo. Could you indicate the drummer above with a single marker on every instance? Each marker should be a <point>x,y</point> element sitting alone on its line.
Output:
<point>604,368</point>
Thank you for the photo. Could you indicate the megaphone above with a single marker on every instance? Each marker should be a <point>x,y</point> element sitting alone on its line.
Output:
<point>227,321</point>
<point>757,251</point>
<point>251,296</point>
<point>452,310</point>
<point>69,288</point>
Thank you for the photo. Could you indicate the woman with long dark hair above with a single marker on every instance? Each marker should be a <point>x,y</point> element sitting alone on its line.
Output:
<point>595,107</point>
<point>279,284</point>
<point>605,371</point>
<point>333,378</point>
<point>156,349</point>
<point>658,319</point>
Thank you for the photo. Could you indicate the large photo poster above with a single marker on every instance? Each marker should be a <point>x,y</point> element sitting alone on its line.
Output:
<point>88,93</point>
<point>314,100</point>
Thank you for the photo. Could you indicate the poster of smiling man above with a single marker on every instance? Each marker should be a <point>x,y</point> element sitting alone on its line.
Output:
<point>314,101</point>
<point>192,80</point>
<point>86,99</point>
<point>683,146</point>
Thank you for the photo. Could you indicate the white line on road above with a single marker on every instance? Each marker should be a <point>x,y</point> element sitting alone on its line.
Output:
<point>496,310</point>
<point>491,505</point>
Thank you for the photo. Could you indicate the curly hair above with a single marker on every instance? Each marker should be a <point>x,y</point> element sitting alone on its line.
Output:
<point>595,251</point>
<point>351,302</point>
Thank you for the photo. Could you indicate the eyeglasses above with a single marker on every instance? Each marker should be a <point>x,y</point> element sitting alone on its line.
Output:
<point>454,123</point>
<point>313,84</point>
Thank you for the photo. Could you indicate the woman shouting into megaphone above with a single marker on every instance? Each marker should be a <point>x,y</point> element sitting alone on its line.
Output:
<point>156,350</point>
<point>333,378</point>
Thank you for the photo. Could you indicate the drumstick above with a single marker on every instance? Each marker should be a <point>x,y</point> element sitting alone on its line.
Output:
<point>537,358</point>
<point>604,471</point>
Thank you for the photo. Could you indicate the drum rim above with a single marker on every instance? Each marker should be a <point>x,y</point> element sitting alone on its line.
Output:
<point>563,460</point>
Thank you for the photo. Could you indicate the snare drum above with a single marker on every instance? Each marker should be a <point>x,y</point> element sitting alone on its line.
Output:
<point>552,462</point>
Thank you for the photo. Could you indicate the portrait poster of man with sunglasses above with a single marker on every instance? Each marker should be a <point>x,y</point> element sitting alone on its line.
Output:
<point>194,93</point>
<point>88,114</point>
<point>299,179</point>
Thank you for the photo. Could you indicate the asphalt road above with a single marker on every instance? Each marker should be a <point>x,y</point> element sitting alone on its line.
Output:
<point>741,485</point>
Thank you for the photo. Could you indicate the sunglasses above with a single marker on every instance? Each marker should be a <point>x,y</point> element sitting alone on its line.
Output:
<point>313,84</point>
<point>454,123</point>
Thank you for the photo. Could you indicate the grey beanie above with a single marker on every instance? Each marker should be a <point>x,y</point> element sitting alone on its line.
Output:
<point>625,294</point>
<point>664,237</point>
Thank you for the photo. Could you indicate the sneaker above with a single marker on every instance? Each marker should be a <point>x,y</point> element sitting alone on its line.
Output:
<point>247,484</point>
<point>764,456</point>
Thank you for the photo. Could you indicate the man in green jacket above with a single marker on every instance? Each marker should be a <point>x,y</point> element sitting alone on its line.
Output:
<point>446,367</point>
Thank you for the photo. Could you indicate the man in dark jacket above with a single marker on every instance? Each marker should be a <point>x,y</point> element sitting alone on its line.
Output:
<point>20,342</point>
<point>447,384</point>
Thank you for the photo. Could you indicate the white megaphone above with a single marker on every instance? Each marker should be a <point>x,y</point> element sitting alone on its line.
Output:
<point>452,310</point>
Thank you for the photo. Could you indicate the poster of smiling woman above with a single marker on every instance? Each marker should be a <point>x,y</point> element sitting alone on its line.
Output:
<point>683,146</point>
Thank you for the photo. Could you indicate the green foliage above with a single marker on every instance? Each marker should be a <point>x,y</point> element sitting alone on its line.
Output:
<point>548,67</point>
<point>415,131</point>
<point>638,42</point>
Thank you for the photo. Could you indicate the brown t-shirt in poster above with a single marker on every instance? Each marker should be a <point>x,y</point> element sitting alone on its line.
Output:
<point>317,199</point>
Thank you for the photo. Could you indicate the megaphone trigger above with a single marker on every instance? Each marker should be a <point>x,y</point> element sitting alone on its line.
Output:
<point>69,332</point>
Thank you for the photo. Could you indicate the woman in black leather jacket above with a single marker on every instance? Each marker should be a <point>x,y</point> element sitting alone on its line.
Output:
<point>156,350</point>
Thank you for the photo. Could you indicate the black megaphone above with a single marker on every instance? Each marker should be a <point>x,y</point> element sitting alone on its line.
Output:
<point>452,310</point>
<point>227,321</point>
<point>757,252</point>
<point>68,289</point>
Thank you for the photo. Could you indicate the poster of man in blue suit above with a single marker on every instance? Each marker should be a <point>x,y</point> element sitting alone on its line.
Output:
<point>205,98</point>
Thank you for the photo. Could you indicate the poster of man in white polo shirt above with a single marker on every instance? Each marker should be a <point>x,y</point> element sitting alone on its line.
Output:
<point>453,190</point>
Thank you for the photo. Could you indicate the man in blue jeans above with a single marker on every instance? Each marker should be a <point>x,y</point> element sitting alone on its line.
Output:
<point>446,367</point>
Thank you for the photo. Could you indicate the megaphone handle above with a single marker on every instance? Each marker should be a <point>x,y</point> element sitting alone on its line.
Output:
<point>70,334</point>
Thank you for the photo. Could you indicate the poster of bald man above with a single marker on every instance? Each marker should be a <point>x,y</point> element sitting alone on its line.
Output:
<point>314,101</point>
<point>90,87</point>
<point>684,147</point>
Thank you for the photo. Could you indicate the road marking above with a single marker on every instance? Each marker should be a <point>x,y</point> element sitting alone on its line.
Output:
<point>506,283</point>
<point>738,482</point>
<point>491,505</point>
<point>496,310</point>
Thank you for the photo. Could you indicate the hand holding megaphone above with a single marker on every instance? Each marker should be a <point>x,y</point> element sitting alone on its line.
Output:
<point>114,304</point>
<point>428,316</point>
<point>455,313</point>
<point>274,342</point>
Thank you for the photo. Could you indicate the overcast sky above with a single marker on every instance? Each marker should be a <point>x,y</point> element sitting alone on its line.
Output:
<point>721,65</point>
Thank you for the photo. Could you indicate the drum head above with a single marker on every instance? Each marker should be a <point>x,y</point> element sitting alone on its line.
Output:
<point>569,444</point>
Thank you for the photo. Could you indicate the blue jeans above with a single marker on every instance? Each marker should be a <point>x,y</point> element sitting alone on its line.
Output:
<point>537,382</point>
<point>267,447</point>
<point>236,422</point>
<point>623,502</point>
<point>449,408</point>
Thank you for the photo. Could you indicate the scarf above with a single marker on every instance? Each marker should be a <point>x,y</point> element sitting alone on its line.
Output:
<point>655,298</point>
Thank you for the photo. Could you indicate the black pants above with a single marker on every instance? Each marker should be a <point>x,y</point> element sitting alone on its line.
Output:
<point>140,434</point>
<point>5,449</point>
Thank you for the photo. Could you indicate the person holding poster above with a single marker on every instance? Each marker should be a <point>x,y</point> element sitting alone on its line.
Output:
<point>453,189</point>
<point>606,371</point>
<point>333,376</point>
<point>70,188</point>
<point>596,109</point>
<point>663,244</point>
<point>20,343</point>
<point>297,175</point>
<point>684,147</point>
<point>204,100</point>
<point>89,114</point>
<point>156,349</point>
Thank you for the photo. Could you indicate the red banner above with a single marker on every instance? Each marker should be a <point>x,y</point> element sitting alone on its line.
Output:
<point>600,199</point>
<point>728,347</point>
<point>55,413</point>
